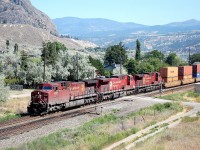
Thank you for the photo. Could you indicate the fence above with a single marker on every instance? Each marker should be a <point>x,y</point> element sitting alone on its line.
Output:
<point>16,87</point>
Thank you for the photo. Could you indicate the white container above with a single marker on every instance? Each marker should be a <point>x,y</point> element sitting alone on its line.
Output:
<point>197,87</point>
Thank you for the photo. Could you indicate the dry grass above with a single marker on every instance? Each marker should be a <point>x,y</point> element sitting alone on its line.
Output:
<point>103,131</point>
<point>17,104</point>
<point>189,96</point>
<point>25,91</point>
<point>185,136</point>
<point>138,122</point>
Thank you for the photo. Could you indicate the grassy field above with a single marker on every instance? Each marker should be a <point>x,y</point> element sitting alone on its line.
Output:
<point>189,96</point>
<point>185,136</point>
<point>16,105</point>
<point>103,131</point>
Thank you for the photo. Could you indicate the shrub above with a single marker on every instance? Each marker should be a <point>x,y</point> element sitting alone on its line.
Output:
<point>3,90</point>
<point>11,81</point>
<point>158,107</point>
<point>193,94</point>
<point>189,119</point>
<point>9,116</point>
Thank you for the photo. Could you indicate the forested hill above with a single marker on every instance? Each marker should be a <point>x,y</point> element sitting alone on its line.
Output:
<point>104,32</point>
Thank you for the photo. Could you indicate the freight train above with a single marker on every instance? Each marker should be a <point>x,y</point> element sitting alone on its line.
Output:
<point>50,97</point>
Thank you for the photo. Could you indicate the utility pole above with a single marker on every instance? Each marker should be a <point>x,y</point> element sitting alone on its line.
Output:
<point>120,64</point>
<point>44,74</point>
<point>189,57</point>
<point>77,65</point>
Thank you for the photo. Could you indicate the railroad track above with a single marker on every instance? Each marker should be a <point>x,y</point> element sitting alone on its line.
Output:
<point>7,132</point>
<point>21,125</point>
<point>177,89</point>
<point>17,121</point>
<point>27,123</point>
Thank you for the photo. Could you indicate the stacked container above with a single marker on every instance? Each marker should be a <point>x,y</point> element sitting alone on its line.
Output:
<point>185,74</point>
<point>196,72</point>
<point>170,76</point>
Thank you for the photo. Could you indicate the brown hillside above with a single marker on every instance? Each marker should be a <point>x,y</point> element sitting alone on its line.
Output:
<point>31,38</point>
<point>22,12</point>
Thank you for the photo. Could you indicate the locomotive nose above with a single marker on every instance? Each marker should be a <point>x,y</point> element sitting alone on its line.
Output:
<point>39,101</point>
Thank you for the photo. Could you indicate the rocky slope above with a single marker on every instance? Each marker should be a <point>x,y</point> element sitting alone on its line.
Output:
<point>30,38</point>
<point>22,12</point>
<point>24,25</point>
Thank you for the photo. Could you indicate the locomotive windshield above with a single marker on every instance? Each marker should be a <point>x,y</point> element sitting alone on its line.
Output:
<point>47,88</point>
<point>44,87</point>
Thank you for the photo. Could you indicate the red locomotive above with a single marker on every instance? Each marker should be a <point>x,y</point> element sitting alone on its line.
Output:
<point>49,97</point>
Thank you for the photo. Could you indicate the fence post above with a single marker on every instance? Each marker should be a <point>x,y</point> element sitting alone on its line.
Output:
<point>101,110</point>
<point>134,120</point>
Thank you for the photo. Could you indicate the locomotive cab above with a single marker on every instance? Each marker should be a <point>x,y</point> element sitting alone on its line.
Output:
<point>40,98</point>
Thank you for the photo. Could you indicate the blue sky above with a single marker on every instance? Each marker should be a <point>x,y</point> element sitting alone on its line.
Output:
<point>148,12</point>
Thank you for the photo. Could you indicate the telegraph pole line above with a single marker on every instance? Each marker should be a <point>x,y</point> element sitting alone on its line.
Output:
<point>189,57</point>
<point>77,65</point>
<point>45,47</point>
<point>120,64</point>
<point>44,74</point>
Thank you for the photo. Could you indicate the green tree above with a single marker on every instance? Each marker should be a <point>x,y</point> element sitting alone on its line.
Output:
<point>107,73</point>
<point>154,54</point>
<point>7,44</point>
<point>15,48</point>
<point>131,66</point>
<point>195,58</point>
<point>173,60</point>
<point>4,92</point>
<point>155,62</point>
<point>145,67</point>
<point>50,52</point>
<point>97,64</point>
<point>116,54</point>
<point>24,60</point>
<point>138,51</point>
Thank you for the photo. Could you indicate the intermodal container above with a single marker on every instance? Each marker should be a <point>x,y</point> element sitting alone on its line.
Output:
<point>184,70</point>
<point>172,84</point>
<point>170,79</point>
<point>169,72</point>
<point>196,75</point>
<point>188,81</point>
<point>185,77</point>
<point>196,68</point>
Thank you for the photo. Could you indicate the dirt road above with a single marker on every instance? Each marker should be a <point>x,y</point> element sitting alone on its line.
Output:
<point>142,135</point>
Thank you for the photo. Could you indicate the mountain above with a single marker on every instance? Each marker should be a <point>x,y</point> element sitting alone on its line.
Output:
<point>22,12</point>
<point>188,23</point>
<point>83,27</point>
<point>98,26</point>
<point>24,25</point>
<point>174,27</point>
<point>104,32</point>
